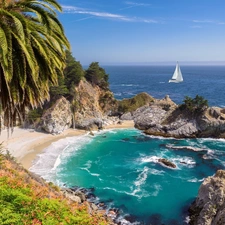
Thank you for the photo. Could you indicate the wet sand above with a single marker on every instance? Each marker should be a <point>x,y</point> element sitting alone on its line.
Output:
<point>26,144</point>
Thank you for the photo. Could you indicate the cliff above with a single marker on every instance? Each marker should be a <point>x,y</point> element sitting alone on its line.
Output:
<point>165,118</point>
<point>209,207</point>
<point>92,106</point>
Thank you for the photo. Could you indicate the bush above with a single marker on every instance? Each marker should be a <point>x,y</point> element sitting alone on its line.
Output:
<point>129,105</point>
<point>197,104</point>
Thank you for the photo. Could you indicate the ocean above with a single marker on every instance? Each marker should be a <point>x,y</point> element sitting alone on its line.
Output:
<point>121,165</point>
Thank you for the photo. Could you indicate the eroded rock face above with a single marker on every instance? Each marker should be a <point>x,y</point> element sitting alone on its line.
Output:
<point>165,118</point>
<point>92,108</point>
<point>57,118</point>
<point>209,207</point>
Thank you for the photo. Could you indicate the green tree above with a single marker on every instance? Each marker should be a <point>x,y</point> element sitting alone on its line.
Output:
<point>32,54</point>
<point>60,89</point>
<point>197,104</point>
<point>97,75</point>
<point>73,72</point>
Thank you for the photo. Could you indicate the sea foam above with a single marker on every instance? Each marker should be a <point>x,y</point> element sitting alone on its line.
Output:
<point>47,162</point>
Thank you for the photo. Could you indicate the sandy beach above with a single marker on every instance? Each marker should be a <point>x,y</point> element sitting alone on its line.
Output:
<point>26,144</point>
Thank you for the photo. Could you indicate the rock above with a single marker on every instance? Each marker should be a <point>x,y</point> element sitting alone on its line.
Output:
<point>57,118</point>
<point>126,116</point>
<point>209,207</point>
<point>167,163</point>
<point>71,195</point>
<point>90,111</point>
<point>165,118</point>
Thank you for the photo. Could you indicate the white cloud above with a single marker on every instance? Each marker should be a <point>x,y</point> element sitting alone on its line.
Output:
<point>209,21</point>
<point>137,4</point>
<point>203,21</point>
<point>106,15</point>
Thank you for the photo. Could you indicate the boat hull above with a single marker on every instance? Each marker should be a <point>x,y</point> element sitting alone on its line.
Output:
<point>174,81</point>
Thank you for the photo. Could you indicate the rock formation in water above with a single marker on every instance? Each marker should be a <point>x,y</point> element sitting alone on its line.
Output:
<point>165,118</point>
<point>209,207</point>
<point>167,163</point>
<point>57,118</point>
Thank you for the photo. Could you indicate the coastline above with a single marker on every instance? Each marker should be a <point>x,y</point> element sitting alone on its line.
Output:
<point>26,144</point>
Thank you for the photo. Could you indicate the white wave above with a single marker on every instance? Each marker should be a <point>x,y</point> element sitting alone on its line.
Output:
<point>57,163</point>
<point>129,85</point>
<point>142,177</point>
<point>47,162</point>
<point>185,160</point>
<point>87,168</point>
<point>195,180</point>
<point>156,172</point>
<point>150,159</point>
<point>191,148</point>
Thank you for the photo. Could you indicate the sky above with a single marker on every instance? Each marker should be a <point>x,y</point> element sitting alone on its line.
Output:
<point>119,32</point>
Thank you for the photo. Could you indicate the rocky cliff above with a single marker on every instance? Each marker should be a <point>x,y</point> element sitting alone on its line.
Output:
<point>209,207</point>
<point>58,117</point>
<point>165,118</point>
<point>92,106</point>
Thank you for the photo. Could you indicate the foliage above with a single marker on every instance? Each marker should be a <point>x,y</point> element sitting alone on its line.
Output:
<point>24,200</point>
<point>97,75</point>
<point>32,53</point>
<point>34,115</point>
<point>197,104</point>
<point>59,90</point>
<point>129,105</point>
<point>73,72</point>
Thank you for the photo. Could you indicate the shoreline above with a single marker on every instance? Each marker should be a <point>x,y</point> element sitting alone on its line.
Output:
<point>26,144</point>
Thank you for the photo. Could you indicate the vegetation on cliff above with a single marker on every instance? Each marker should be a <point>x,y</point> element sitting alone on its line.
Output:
<point>27,199</point>
<point>194,105</point>
<point>129,105</point>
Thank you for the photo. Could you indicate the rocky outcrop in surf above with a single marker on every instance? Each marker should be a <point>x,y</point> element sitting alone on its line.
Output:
<point>165,118</point>
<point>167,163</point>
<point>209,207</point>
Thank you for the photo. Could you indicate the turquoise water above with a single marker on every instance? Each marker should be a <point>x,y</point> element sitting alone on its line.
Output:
<point>122,166</point>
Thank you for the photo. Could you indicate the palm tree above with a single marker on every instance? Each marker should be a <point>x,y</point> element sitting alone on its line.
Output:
<point>32,54</point>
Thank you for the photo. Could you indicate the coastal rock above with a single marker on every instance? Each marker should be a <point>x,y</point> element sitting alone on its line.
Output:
<point>165,118</point>
<point>167,163</point>
<point>93,105</point>
<point>209,207</point>
<point>57,118</point>
<point>127,116</point>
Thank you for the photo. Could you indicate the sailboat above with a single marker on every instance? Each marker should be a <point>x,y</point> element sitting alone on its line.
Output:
<point>177,75</point>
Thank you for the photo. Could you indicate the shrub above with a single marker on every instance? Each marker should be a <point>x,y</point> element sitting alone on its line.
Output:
<point>197,104</point>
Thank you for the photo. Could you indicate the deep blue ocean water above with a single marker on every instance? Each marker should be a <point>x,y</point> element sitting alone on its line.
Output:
<point>122,164</point>
<point>207,81</point>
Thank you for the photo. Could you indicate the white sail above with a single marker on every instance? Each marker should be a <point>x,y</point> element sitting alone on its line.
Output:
<point>177,75</point>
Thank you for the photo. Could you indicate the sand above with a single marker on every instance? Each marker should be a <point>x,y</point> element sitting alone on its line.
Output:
<point>26,144</point>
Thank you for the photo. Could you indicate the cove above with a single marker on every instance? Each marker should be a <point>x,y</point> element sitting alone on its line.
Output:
<point>122,166</point>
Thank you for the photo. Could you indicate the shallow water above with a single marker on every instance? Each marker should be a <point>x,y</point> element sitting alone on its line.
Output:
<point>122,166</point>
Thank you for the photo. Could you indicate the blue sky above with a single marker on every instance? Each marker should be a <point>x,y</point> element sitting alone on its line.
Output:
<point>145,31</point>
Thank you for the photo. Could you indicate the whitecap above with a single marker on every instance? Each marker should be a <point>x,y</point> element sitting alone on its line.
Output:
<point>153,159</point>
<point>47,163</point>
<point>129,85</point>
<point>195,180</point>
<point>191,148</point>
<point>156,172</point>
